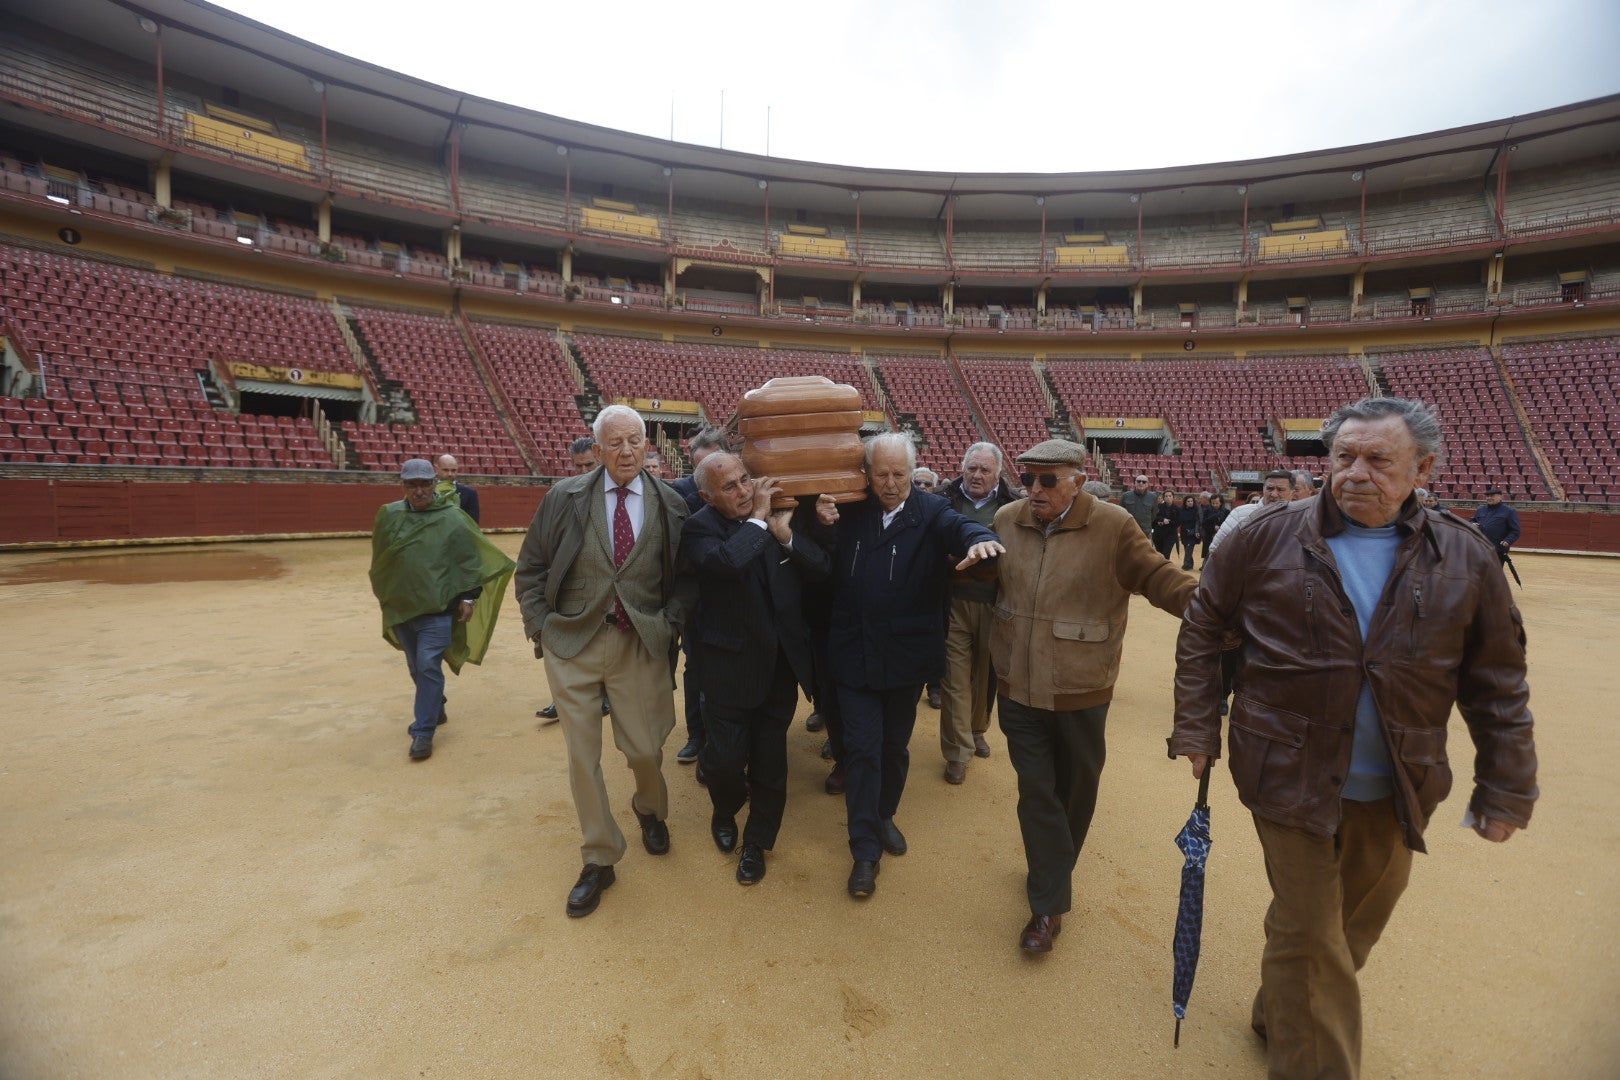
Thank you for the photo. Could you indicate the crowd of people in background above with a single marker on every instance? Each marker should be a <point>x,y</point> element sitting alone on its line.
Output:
<point>1005,592</point>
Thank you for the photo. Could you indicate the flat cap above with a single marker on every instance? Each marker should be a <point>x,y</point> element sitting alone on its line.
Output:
<point>418,469</point>
<point>1055,452</point>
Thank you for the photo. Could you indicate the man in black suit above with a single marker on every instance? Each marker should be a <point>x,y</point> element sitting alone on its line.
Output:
<point>704,443</point>
<point>446,470</point>
<point>749,565</point>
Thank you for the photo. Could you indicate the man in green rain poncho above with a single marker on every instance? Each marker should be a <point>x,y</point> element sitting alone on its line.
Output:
<point>430,568</point>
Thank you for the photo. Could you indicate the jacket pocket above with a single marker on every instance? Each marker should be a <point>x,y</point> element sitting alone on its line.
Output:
<point>1266,748</point>
<point>720,638</point>
<point>1085,655</point>
<point>1421,753</point>
<point>1001,639</point>
<point>571,600</point>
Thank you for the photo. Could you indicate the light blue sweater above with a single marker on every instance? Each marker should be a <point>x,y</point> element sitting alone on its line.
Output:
<point>1366,557</point>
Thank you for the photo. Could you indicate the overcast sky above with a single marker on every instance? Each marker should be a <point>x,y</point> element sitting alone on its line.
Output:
<point>967,85</point>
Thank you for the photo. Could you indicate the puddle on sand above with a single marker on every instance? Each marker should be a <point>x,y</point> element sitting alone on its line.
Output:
<point>148,568</point>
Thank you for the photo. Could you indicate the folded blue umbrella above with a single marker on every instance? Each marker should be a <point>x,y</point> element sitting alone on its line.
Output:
<point>1194,842</point>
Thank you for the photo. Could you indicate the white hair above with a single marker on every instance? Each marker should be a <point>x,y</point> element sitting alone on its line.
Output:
<point>982,447</point>
<point>898,439</point>
<point>614,412</point>
<point>918,474</point>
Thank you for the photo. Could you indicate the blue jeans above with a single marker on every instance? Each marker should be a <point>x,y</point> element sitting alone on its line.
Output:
<point>425,640</point>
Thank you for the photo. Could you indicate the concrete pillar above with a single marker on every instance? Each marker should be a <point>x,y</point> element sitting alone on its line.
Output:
<point>1136,299</point>
<point>1358,288</point>
<point>323,220</point>
<point>855,293</point>
<point>162,186</point>
<point>1040,300</point>
<point>948,298</point>
<point>568,264</point>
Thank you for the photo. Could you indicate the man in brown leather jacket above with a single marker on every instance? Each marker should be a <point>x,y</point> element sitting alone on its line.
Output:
<point>1364,617</point>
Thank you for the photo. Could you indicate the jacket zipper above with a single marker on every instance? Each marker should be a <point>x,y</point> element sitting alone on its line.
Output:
<point>892,550</point>
<point>1412,631</point>
<point>855,559</point>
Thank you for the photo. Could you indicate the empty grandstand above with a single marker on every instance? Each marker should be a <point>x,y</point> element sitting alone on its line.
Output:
<point>226,283</point>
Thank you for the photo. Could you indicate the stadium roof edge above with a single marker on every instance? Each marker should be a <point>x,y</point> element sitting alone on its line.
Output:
<point>206,41</point>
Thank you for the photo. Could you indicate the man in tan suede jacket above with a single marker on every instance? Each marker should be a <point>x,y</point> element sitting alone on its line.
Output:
<point>1071,565</point>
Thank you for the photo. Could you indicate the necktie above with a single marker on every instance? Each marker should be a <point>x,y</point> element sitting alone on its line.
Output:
<point>624,538</point>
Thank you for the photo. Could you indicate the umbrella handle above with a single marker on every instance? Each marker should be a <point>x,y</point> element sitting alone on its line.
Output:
<point>1203,785</point>
<point>1178,1035</point>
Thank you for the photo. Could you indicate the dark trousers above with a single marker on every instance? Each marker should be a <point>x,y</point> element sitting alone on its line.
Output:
<point>1058,757</point>
<point>877,736</point>
<point>692,691</point>
<point>1163,544</point>
<point>1203,547</point>
<point>826,698</point>
<point>745,756</point>
<point>1188,544</point>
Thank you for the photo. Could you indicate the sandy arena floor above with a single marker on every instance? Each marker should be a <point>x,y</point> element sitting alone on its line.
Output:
<point>217,862</point>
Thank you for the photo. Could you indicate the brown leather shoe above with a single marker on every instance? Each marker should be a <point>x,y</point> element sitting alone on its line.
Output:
<point>1039,932</point>
<point>980,747</point>
<point>955,772</point>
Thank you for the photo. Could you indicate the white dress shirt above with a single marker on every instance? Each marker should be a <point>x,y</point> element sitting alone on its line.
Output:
<point>635,505</point>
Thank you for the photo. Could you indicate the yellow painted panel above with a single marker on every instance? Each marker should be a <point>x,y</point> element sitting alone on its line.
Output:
<point>239,140</point>
<point>1085,238</point>
<point>238,119</point>
<point>1127,423</point>
<point>820,247</point>
<point>297,376</point>
<point>1309,224</point>
<point>808,230</point>
<point>1092,256</point>
<point>1301,425</point>
<point>663,405</point>
<point>615,222</point>
<point>1302,243</point>
<point>873,416</point>
<point>614,204</point>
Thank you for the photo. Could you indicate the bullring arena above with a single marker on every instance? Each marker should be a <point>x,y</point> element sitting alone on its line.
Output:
<point>241,278</point>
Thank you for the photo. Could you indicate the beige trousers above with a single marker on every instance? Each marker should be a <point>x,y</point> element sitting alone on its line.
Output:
<point>638,684</point>
<point>1331,897</point>
<point>965,691</point>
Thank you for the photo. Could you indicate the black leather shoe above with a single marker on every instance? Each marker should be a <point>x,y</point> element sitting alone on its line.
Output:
<point>548,714</point>
<point>863,878</point>
<point>751,866</point>
<point>826,750</point>
<point>933,697</point>
<point>700,776</point>
<point>687,754</point>
<point>724,831</point>
<point>814,722</point>
<point>421,747</point>
<point>607,706</point>
<point>894,841</point>
<point>587,892</point>
<point>834,784</point>
<point>654,833</point>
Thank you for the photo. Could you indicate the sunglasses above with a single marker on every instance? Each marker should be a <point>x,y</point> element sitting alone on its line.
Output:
<point>1046,480</point>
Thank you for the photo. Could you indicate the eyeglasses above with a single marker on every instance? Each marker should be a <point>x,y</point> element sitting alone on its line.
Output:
<point>1046,480</point>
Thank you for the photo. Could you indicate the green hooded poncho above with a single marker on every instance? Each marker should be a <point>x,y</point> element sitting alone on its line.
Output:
<point>421,561</point>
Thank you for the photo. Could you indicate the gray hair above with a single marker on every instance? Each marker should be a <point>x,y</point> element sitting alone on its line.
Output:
<point>710,438</point>
<point>615,412</point>
<point>1096,489</point>
<point>918,474</point>
<point>894,439</point>
<point>1420,420</point>
<point>1302,480</point>
<point>1421,493</point>
<point>582,445</point>
<point>704,473</point>
<point>982,447</point>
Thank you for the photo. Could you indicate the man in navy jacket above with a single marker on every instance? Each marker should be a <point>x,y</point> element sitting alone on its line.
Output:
<point>886,637</point>
<point>1498,521</point>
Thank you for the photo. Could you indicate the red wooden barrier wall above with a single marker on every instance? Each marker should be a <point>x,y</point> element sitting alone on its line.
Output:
<point>49,511</point>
